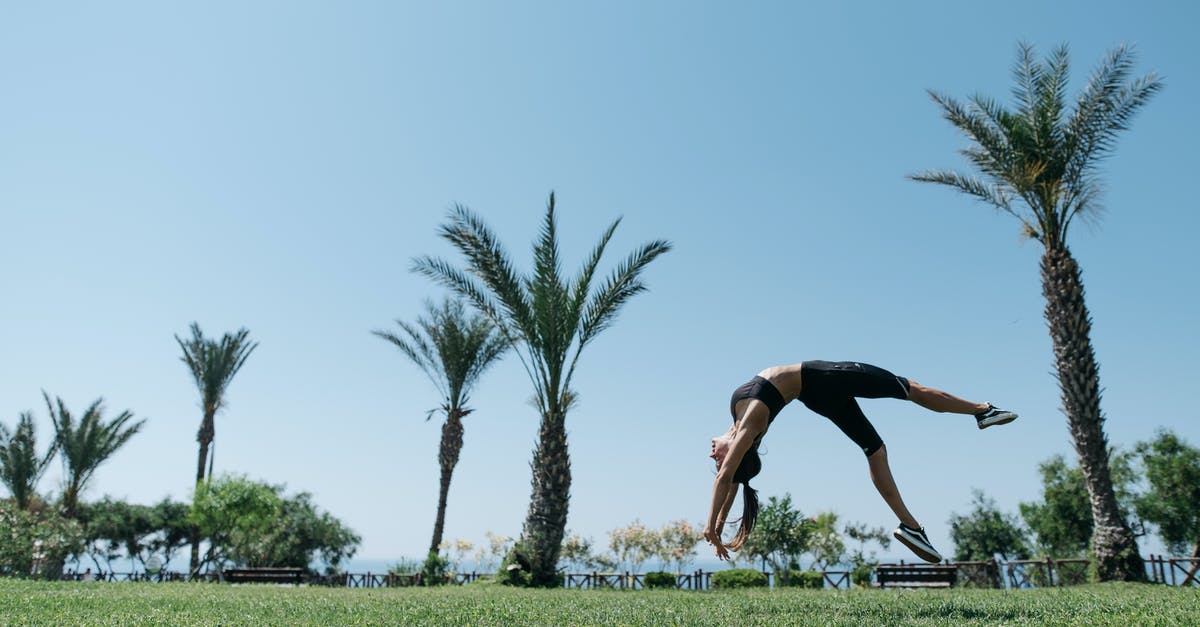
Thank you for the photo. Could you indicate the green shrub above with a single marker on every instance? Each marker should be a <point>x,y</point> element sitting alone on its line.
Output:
<point>658,580</point>
<point>861,575</point>
<point>44,532</point>
<point>433,571</point>
<point>405,567</point>
<point>739,578</point>
<point>801,579</point>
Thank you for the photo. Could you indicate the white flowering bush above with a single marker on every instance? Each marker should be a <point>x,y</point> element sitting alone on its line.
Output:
<point>35,543</point>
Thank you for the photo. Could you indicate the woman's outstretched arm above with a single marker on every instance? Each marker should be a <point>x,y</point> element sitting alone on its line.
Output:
<point>752,425</point>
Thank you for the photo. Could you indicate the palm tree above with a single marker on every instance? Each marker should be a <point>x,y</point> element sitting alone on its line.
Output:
<point>453,349</point>
<point>86,444</point>
<point>549,320</point>
<point>212,365</point>
<point>1039,164</point>
<point>20,466</point>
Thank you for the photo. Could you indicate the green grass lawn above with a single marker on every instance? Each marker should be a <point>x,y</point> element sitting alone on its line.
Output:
<point>43,603</point>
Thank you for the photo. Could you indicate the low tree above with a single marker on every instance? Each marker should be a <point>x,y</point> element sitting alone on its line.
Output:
<point>86,444</point>
<point>862,560</point>
<point>455,552</point>
<point>232,512</point>
<point>985,532</point>
<point>826,544</point>
<point>781,535</point>
<point>1062,521</point>
<point>577,551</point>
<point>488,555</point>
<point>633,545</point>
<point>301,536</point>
<point>115,529</point>
<point>112,529</point>
<point>252,523</point>
<point>1171,501</point>
<point>20,465</point>
<point>677,544</point>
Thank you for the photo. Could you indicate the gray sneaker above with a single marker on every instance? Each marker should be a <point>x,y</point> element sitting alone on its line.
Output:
<point>994,416</point>
<point>916,540</point>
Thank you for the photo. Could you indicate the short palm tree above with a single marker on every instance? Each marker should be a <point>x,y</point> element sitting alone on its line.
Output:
<point>86,444</point>
<point>550,320</point>
<point>453,349</point>
<point>20,466</point>
<point>1039,164</point>
<point>212,364</point>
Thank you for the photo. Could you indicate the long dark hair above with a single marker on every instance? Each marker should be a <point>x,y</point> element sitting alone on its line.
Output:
<point>749,468</point>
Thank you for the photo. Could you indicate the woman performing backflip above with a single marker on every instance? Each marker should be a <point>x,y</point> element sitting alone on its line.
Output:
<point>827,388</point>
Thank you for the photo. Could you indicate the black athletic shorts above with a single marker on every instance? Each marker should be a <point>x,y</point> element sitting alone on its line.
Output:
<point>830,387</point>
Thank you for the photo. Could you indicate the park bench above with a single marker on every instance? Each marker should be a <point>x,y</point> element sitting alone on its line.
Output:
<point>264,575</point>
<point>916,576</point>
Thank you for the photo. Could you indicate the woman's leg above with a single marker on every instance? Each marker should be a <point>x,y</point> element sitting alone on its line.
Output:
<point>881,476</point>
<point>939,401</point>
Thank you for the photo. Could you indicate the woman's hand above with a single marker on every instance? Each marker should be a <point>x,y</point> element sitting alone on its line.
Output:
<point>714,538</point>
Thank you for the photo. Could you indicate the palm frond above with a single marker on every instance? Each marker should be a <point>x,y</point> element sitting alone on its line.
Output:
<point>1027,73</point>
<point>1052,95</point>
<point>417,350</point>
<point>606,302</point>
<point>994,195</point>
<point>979,126</point>
<point>549,299</point>
<point>488,261</point>
<point>447,275</point>
<point>583,283</point>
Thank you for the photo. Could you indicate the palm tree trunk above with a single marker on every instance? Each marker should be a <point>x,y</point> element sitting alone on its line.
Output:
<point>204,437</point>
<point>452,442</point>
<point>547,517</point>
<point>1113,543</point>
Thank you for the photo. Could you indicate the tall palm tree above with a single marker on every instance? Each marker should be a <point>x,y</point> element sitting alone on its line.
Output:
<point>453,349</point>
<point>20,466</point>
<point>212,364</point>
<point>86,444</point>
<point>550,320</point>
<point>1039,164</point>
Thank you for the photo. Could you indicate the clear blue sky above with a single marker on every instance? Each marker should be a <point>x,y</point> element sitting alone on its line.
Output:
<point>276,165</point>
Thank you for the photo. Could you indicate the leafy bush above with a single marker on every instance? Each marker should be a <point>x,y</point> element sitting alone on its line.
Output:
<point>659,580</point>
<point>801,579</point>
<point>433,571</point>
<point>251,523</point>
<point>405,567</point>
<point>35,543</point>
<point>514,570</point>
<point>739,578</point>
<point>861,575</point>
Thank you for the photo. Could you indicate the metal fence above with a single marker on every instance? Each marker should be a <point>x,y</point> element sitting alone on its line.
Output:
<point>1013,574</point>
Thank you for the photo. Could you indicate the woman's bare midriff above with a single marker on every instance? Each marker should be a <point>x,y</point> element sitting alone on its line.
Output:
<point>786,379</point>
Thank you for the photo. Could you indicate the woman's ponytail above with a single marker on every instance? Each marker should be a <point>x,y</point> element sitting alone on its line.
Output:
<point>749,468</point>
<point>749,517</point>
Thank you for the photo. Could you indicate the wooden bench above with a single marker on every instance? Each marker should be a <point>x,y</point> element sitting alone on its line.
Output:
<point>264,575</point>
<point>904,576</point>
